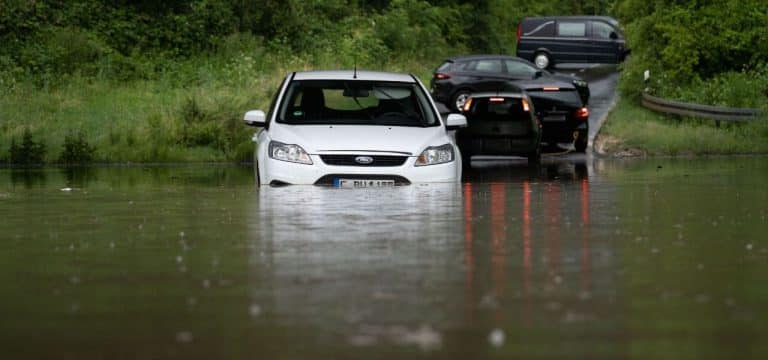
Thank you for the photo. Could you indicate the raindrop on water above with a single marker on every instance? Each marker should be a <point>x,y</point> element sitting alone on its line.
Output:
<point>497,337</point>
<point>254,310</point>
<point>184,337</point>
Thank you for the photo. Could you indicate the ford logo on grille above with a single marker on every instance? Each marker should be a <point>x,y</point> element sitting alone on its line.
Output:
<point>364,160</point>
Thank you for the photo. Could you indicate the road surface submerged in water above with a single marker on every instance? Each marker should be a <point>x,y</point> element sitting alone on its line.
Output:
<point>579,258</point>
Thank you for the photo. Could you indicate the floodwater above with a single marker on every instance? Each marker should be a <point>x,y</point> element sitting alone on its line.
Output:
<point>583,258</point>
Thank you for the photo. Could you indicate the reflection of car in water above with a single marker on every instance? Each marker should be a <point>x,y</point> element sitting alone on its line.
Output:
<point>333,253</point>
<point>500,124</point>
<point>357,129</point>
<point>549,40</point>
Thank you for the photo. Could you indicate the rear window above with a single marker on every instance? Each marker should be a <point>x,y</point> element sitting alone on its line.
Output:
<point>575,29</point>
<point>444,67</point>
<point>496,109</point>
<point>546,100</point>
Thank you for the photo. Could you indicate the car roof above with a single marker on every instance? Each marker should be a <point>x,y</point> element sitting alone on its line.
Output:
<point>483,56</point>
<point>353,75</point>
<point>576,17</point>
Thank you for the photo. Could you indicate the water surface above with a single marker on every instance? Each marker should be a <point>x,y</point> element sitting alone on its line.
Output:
<point>580,258</point>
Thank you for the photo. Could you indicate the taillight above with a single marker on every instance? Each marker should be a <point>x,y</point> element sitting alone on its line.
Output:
<point>442,76</point>
<point>526,107</point>
<point>496,99</point>
<point>519,32</point>
<point>582,113</point>
<point>467,105</point>
<point>551,88</point>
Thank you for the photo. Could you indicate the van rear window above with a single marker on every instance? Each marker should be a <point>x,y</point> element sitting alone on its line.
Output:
<point>572,29</point>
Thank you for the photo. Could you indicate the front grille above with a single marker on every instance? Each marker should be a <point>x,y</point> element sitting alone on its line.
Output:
<point>349,160</point>
<point>328,179</point>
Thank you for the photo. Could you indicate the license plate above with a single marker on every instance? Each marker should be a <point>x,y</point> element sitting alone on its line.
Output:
<point>362,183</point>
<point>554,118</point>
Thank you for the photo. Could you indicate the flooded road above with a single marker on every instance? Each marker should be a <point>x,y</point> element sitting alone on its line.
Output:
<point>579,258</point>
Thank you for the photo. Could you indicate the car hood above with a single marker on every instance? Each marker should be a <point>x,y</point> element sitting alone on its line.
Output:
<point>317,139</point>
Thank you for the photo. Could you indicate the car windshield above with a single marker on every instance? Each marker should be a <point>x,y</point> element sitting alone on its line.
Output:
<point>356,102</point>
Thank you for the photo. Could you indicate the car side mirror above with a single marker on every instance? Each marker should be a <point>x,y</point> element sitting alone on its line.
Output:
<point>613,35</point>
<point>455,121</point>
<point>255,118</point>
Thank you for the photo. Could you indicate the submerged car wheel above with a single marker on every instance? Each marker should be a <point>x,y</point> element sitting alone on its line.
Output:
<point>541,60</point>
<point>459,100</point>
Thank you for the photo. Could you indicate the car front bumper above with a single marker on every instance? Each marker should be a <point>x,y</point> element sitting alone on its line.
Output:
<point>276,172</point>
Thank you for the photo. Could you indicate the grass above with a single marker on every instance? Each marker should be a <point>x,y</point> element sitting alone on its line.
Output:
<point>634,130</point>
<point>191,115</point>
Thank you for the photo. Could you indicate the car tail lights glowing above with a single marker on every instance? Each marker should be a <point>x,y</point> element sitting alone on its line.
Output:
<point>496,99</point>
<point>442,76</point>
<point>582,113</point>
<point>551,88</point>
<point>526,106</point>
<point>467,105</point>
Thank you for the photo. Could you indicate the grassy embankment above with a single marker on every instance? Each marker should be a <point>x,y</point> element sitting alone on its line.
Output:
<point>192,117</point>
<point>693,55</point>
<point>632,130</point>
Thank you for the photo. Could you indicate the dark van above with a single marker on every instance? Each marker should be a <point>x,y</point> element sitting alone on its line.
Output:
<point>550,40</point>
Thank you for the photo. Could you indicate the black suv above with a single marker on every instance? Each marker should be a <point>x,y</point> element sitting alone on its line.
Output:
<point>457,77</point>
<point>570,39</point>
<point>503,123</point>
<point>559,100</point>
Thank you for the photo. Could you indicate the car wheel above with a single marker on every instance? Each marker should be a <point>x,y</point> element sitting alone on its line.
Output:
<point>541,60</point>
<point>459,100</point>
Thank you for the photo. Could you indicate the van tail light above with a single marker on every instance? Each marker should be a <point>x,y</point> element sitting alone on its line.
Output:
<point>582,113</point>
<point>442,76</point>
<point>519,32</point>
<point>467,105</point>
<point>526,106</point>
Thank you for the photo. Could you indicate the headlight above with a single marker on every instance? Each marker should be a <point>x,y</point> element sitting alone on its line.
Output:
<point>289,153</point>
<point>434,155</point>
<point>580,83</point>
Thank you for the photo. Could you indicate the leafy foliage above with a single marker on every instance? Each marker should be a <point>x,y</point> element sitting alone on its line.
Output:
<point>76,150</point>
<point>28,152</point>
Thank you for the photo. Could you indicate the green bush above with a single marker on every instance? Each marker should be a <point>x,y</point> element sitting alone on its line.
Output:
<point>76,149</point>
<point>28,152</point>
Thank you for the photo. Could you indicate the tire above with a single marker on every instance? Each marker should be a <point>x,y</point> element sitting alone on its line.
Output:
<point>458,100</point>
<point>542,60</point>
<point>581,143</point>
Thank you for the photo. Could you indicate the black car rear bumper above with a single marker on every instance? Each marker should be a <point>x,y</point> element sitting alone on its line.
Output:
<point>562,132</point>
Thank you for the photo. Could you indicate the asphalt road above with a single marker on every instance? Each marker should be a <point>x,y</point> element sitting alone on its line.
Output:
<point>602,81</point>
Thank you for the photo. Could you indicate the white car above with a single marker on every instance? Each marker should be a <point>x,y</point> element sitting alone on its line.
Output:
<point>354,129</point>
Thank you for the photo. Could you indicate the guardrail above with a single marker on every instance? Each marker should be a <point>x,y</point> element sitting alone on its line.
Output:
<point>699,111</point>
